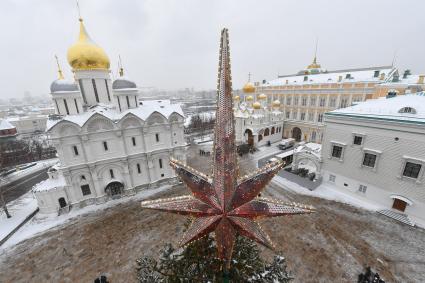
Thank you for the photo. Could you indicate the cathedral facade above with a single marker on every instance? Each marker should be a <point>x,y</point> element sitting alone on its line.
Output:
<point>109,143</point>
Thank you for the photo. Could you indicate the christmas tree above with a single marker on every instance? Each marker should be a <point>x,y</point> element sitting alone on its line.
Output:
<point>198,262</point>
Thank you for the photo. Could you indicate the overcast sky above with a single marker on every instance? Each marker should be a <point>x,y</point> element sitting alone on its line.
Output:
<point>174,44</point>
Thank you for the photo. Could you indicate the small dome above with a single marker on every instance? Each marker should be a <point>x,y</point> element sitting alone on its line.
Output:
<point>122,83</point>
<point>249,98</point>
<point>256,105</point>
<point>237,97</point>
<point>262,96</point>
<point>87,55</point>
<point>248,88</point>
<point>63,85</point>
<point>276,103</point>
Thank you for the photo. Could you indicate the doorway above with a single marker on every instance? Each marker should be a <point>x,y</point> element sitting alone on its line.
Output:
<point>399,205</point>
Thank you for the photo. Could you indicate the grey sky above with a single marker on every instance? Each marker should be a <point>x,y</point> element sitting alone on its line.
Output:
<point>174,44</point>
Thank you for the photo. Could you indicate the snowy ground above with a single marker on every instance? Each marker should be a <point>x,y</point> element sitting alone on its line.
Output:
<point>19,209</point>
<point>43,222</point>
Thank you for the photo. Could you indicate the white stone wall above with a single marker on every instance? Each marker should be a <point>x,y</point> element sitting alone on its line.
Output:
<point>392,142</point>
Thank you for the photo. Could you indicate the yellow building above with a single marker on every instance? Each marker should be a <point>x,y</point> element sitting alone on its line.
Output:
<point>304,97</point>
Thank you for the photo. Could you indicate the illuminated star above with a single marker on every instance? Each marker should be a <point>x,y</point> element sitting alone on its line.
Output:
<point>225,204</point>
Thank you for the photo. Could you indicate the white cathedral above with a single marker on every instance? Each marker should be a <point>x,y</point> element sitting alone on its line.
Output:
<point>109,144</point>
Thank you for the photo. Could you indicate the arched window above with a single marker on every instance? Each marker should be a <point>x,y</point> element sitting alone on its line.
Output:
<point>410,110</point>
<point>266,132</point>
<point>272,131</point>
<point>84,185</point>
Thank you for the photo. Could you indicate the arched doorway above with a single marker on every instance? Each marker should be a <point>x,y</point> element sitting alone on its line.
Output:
<point>266,132</point>
<point>272,133</point>
<point>260,137</point>
<point>296,134</point>
<point>62,202</point>
<point>114,188</point>
<point>250,138</point>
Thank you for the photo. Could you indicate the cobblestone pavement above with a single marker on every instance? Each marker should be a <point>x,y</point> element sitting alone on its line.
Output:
<point>331,245</point>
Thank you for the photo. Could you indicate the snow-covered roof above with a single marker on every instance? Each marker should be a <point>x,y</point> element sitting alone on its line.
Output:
<point>5,125</point>
<point>50,184</point>
<point>311,147</point>
<point>356,75</point>
<point>404,108</point>
<point>143,111</point>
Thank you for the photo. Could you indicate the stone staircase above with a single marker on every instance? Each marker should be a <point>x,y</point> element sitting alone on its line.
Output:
<point>397,216</point>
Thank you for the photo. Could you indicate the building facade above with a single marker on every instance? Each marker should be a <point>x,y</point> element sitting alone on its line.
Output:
<point>305,97</point>
<point>109,144</point>
<point>376,150</point>
<point>256,122</point>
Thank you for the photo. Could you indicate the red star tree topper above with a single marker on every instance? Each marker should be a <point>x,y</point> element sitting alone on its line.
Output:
<point>225,204</point>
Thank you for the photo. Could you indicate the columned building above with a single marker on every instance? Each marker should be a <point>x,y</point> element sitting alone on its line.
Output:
<point>109,143</point>
<point>305,97</point>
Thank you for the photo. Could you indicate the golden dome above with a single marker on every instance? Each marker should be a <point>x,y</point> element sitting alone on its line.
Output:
<point>276,103</point>
<point>248,88</point>
<point>237,97</point>
<point>249,98</point>
<point>256,105</point>
<point>87,55</point>
<point>314,65</point>
<point>262,96</point>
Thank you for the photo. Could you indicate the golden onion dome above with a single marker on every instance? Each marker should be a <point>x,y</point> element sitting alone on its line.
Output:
<point>314,65</point>
<point>262,96</point>
<point>87,55</point>
<point>249,98</point>
<point>248,88</point>
<point>237,97</point>
<point>276,103</point>
<point>256,105</point>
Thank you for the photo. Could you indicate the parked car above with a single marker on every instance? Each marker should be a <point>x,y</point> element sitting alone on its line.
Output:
<point>286,143</point>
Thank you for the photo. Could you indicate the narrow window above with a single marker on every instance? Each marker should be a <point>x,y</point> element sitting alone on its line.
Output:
<point>376,74</point>
<point>111,172</point>
<point>412,170</point>
<point>105,146</point>
<point>107,89</point>
<point>85,189</point>
<point>362,188</point>
<point>66,107</point>
<point>80,82</point>
<point>138,168</point>
<point>75,148</point>
<point>160,163</point>
<point>119,103</point>
<point>133,140</point>
<point>95,90</point>
<point>128,101</point>
<point>358,140</point>
<point>369,160</point>
<point>336,151</point>
<point>57,107</point>
<point>157,137</point>
<point>76,105</point>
